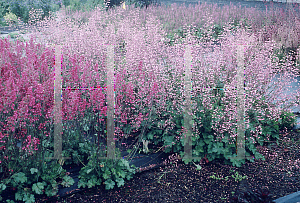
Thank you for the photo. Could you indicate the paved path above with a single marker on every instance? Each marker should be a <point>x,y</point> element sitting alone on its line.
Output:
<point>261,6</point>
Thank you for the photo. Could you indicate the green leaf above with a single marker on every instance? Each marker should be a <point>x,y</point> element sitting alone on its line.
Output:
<point>81,183</point>
<point>18,196</point>
<point>81,145</point>
<point>88,171</point>
<point>106,174</point>
<point>150,136</point>
<point>113,171</point>
<point>198,149</point>
<point>218,147</point>
<point>237,162</point>
<point>198,167</point>
<point>86,128</point>
<point>2,186</point>
<point>51,191</point>
<point>99,181</point>
<point>127,130</point>
<point>121,174</point>
<point>194,138</point>
<point>169,140</point>
<point>20,177</point>
<point>125,163</point>
<point>128,177</point>
<point>120,182</point>
<point>132,169</point>
<point>186,160</point>
<point>33,170</point>
<point>208,139</point>
<point>92,182</point>
<point>159,131</point>
<point>109,184</point>
<point>67,181</point>
<point>38,187</point>
<point>201,143</point>
<point>225,140</point>
<point>29,198</point>
<point>259,156</point>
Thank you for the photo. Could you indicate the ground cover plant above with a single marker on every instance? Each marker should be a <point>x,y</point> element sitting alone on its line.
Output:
<point>127,31</point>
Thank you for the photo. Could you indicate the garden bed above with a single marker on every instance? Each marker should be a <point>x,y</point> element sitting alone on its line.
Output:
<point>184,183</point>
<point>208,181</point>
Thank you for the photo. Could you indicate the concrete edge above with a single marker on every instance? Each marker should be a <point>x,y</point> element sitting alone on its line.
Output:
<point>289,198</point>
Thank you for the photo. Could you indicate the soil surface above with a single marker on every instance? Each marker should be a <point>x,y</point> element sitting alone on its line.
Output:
<point>183,183</point>
<point>278,174</point>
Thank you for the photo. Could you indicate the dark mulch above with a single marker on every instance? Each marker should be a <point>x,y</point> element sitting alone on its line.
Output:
<point>186,184</point>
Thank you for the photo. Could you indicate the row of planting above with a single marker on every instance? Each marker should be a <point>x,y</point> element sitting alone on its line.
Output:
<point>27,86</point>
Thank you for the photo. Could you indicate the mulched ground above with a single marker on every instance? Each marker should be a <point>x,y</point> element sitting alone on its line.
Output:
<point>185,184</point>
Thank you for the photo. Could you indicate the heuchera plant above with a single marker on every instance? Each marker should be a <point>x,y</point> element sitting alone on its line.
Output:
<point>36,79</point>
<point>19,108</point>
<point>167,139</point>
<point>41,175</point>
<point>145,81</point>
